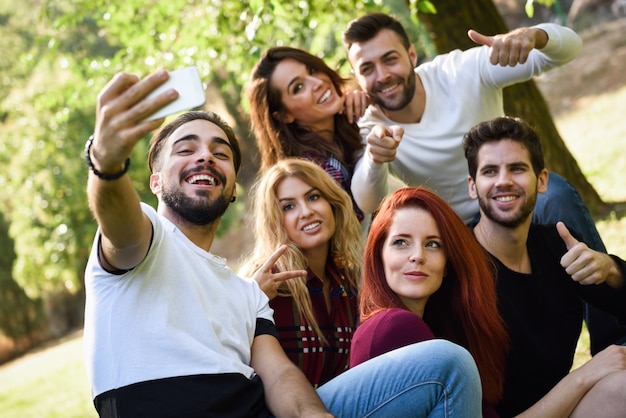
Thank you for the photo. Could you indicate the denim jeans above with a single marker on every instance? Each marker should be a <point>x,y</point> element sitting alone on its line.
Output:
<point>434,378</point>
<point>561,202</point>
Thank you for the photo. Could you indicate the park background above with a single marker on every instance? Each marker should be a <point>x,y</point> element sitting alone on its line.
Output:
<point>59,54</point>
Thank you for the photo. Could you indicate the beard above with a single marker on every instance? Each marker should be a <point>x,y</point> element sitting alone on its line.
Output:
<point>510,219</point>
<point>407,94</point>
<point>195,211</point>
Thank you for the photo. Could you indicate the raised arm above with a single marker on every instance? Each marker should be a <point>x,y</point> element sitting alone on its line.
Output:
<point>370,182</point>
<point>287,391</point>
<point>558,43</point>
<point>120,124</point>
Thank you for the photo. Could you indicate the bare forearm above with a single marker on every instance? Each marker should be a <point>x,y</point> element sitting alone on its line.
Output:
<point>560,401</point>
<point>125,230</point>
<point>565,397</point>
<point>293,396</point>
<point>288,393</point>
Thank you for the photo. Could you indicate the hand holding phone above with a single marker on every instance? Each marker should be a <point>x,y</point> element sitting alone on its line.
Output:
<point>186,81</point>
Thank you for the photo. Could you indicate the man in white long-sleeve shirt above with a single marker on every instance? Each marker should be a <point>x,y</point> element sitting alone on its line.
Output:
<point>437,102</point>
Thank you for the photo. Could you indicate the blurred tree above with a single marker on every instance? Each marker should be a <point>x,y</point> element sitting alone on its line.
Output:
<point>20,316</point>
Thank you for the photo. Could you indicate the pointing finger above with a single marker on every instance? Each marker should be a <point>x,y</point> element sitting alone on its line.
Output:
<point>286,275</point>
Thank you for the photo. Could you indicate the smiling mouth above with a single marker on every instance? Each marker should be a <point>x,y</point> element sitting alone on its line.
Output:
<point>311,226</point>
<point>203,179</point>
<point>505,198</point>
<point>388,88</point>
<point>324,97</point>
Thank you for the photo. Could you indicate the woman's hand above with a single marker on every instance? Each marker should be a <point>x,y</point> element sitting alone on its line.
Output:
<point>354,104</point>
<point>269,281</point>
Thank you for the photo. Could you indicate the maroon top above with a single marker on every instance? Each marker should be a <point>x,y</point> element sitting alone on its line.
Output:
<point>320,362</point>
<point>390,329</point>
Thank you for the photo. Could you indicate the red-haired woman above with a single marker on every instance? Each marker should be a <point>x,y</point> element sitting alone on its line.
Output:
<point>425,276</point>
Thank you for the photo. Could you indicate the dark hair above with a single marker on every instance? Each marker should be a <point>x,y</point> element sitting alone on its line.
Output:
<point>367,27</point>
<point>158,139</point>
<point>464,310</point>
<point>503,127</point>
<point>276,139</point>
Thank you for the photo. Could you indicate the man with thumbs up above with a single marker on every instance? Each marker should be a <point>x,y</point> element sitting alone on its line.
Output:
<point>543,272</point>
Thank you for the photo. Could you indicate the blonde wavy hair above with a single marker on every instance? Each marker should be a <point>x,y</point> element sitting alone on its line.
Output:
<point>345,245</point>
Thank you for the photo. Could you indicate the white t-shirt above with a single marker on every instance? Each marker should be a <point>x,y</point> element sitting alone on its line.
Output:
<point>180,312</point>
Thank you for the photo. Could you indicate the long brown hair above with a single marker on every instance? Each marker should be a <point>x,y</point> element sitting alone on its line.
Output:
<point>464,309</point>
<point>276,139</point>
<point>345,244</point>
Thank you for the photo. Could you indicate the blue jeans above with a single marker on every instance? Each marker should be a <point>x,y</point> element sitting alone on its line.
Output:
<point>561,202</point>
<point>434,378</point>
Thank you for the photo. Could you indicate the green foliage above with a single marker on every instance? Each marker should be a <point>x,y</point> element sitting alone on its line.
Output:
<point>529,7</point>
<point>19,314</point>
<point>420,6</point>
<point>60,53</point>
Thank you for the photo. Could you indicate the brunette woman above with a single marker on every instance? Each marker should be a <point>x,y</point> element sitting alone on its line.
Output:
<point>298,108</point>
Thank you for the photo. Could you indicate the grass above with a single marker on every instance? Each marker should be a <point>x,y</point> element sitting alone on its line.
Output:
<point>49,382</point>
<point>595,133</point>
<point>52,383</point>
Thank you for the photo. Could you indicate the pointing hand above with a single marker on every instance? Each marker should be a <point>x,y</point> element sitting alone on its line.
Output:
<point>383,141</point>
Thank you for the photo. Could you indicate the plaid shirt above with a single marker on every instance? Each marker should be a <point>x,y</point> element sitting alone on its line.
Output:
<point>320,362</point>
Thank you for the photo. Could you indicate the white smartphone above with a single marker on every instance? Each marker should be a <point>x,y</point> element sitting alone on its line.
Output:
<point>186,81</point>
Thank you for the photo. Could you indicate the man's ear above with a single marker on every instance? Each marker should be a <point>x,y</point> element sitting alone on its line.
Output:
<point>413,55</point>
<point>471,187</point>
<point>233,197</point>
<point>542,181</point>
<point>286,118</point>
<point>155,183</point>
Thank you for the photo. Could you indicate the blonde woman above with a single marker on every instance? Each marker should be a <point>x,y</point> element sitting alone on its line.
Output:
<point>298,207</point>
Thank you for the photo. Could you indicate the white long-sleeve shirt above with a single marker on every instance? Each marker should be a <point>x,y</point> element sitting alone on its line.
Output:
<point>462,89</point>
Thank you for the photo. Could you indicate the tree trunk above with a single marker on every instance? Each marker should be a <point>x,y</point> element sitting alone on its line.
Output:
<point>448,30</point>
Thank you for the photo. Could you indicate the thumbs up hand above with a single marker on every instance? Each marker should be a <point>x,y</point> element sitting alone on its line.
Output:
<point>583,264</point>
<point>510,49</point>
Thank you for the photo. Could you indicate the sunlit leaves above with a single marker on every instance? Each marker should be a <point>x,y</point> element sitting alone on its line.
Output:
<point>64,51</point>
<point>529,7</point>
